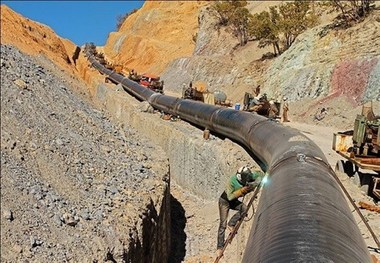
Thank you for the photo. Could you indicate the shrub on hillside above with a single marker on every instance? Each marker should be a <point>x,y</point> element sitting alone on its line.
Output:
<point>235,15</point>
<point>121,18</point>
<point>351,11</point>
<point>282,24</point>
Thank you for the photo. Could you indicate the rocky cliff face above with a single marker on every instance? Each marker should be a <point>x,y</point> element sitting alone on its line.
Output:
<point>154,35</point>
<point>217,60</point>
<point>320,63</point>
<point>34,38</point>
<point>330,63</point>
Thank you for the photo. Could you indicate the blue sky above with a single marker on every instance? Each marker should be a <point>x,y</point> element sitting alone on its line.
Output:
<point>79,21</point>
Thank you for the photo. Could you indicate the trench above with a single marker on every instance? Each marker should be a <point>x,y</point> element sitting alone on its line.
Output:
<point>294,164</point>
<point>198,170</point>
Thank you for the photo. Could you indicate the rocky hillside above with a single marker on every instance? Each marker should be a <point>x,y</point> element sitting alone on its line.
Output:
<point>34,38</point>
<point>330,62</point>
<point>154,35</point>
<point>70,178</point>
<point>336,69</point>
<point>321,62</point>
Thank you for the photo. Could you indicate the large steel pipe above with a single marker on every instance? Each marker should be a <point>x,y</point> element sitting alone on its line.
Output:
<point>302,215</point>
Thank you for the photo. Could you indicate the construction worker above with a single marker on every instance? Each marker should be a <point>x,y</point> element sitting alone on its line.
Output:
<point>257,91</point>
<point>238,185</point>
<point>285,109</point>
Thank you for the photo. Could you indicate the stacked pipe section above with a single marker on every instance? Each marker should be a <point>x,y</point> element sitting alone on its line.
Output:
<point>302,214</point>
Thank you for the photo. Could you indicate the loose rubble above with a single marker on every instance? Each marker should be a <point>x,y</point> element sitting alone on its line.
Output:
<point>70,178</point>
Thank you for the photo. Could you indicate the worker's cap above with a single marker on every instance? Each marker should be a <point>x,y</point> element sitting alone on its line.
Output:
<point>271,102</point>
<point>244,175</point>
<point>285,98</point>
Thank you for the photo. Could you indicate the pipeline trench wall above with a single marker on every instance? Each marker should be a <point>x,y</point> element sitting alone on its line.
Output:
<point>201,166</point>
<point>302,215</point>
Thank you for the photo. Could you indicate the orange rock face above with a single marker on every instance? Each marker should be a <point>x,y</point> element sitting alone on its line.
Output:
<point>156,34</point>
<point>34,38</point>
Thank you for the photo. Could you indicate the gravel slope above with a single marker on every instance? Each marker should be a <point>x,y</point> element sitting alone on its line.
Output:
<point>72,183</point>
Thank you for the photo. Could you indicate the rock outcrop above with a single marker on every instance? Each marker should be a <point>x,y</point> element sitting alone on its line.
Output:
<point>36,39</point>
<point>155,35</point>
<point>329,62</point>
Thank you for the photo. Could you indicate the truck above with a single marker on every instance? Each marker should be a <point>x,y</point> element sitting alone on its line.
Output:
<point>360,148</point>
<point>152,82</point>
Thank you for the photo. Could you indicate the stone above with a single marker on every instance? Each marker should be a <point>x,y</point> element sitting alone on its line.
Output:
<point>85,214</point>
<point>145,107</point>
<point>8,214</point>
<point>17,249</point>
<point>57,220</point>
<point>20,83</point>
<point>59,142</point>
<point>70,219</point>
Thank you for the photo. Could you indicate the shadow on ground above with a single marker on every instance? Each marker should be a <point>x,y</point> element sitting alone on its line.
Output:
<point>178,235</point>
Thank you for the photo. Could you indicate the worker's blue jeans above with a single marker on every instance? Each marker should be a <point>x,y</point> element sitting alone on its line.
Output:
<point>224,207</point>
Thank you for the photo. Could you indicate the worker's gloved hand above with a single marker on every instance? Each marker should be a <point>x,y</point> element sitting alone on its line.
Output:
<point>246,189</point>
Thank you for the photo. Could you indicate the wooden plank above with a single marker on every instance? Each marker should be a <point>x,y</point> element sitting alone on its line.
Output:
<point>359,162</point>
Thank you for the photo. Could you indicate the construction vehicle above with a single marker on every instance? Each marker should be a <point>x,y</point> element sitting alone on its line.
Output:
<point>152,82</point>
<point>133,76</point>
<point>200,93</point>
<point>261,105</point>
<point>361,149</point>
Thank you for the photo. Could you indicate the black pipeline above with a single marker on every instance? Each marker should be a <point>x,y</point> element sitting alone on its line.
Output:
<point>302,215</point>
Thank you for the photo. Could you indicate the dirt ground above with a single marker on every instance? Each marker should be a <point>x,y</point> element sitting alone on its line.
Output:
<point>202,216</point>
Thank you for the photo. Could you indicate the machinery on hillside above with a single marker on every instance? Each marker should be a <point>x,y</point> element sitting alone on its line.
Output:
<point>361,149</point>
<point>261,105</point>
<point>200,93</point>
<point>150,81</point>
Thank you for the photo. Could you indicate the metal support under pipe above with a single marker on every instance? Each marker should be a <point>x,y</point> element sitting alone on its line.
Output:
<point>302,215</point>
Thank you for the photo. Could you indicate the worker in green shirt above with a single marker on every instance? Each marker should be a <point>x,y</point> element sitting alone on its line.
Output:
<point>238,185</point>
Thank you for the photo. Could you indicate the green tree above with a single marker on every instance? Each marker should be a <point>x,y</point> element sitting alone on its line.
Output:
<point>282,24</point>
<point>295,18</point>
<point>234,15</point>
<point>264,27</point>
<point>239,22</point>
<point>222,10</point>
<point>352,10</point>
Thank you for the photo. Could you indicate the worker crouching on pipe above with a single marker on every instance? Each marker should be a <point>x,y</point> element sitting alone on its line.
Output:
<point>238,185</point>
